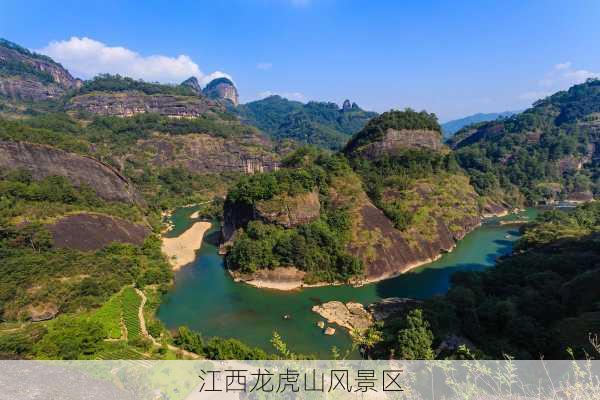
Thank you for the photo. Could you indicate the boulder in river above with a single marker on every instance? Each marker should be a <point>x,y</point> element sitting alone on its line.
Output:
<point>329,331</point>
<point>350,315</point>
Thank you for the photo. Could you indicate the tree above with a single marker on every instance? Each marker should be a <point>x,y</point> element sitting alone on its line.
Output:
<point>415,339</point>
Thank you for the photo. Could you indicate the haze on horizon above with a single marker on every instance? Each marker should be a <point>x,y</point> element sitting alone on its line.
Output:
<point>451,58</point>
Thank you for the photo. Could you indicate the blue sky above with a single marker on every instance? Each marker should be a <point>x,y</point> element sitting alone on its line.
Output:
<point>453,58</point>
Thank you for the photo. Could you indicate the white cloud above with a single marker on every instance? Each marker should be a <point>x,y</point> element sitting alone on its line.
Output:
<point>565,65</point>
<point>86,58</point>
<point>560,77</point>
<point>264,66</point>
<point>288,95</point>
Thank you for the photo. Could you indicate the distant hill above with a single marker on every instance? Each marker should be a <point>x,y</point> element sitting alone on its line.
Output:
<point>451,127</point>
<point>318,123</point>
<point>548,152</point>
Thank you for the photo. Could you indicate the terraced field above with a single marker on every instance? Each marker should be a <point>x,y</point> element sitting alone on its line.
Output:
<point>109,315</point>
<point>130,303</point>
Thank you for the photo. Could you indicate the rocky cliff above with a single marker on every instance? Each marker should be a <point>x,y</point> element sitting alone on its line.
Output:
<point>202,153</point>
<point>129,103</point>
<point>222,89</point>
<point>284,210</point>
<point>43,161</point>
<point>28,76</point>
<point>447,214</point>
<point>193,84</point>
<point>394,140</point>
<point>91,231</point>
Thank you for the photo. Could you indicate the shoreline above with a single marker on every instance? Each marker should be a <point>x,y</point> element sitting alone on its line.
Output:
<point>181,250</point>
<point>298,284</point>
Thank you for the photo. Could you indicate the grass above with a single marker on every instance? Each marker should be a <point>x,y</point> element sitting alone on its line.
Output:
<point>131,301</point>
<point>109,315</point>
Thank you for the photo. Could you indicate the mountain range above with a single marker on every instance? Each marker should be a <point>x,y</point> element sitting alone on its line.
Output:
<point>451,127</point>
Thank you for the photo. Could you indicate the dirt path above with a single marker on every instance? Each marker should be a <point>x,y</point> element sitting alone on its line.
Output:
<point>148,336</point>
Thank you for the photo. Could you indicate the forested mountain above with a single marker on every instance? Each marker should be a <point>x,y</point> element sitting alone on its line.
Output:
<point>549,152</point>
<point>88,168</point>
<point>321,124</point>
<point>417,204</point>
<point>451,127</point>
<point>497,312</point>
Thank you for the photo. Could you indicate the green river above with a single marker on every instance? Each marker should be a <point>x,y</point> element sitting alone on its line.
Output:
<point>206,299</point>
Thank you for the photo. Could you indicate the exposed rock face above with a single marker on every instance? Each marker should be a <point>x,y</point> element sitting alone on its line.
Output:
<point>127,104</point>
<point>33,77</point>
<point>395,140</point>
<point>204,153</point>
<point>350,315</point>
<point>347,105</point>
<point>392,252</point>
<point>222,89</point>
<point>289,211</point>
<point>43,161</point>
<point>385,308</point>
<point>91,232</point>
<point>43,312</point>
<point>193,84</point>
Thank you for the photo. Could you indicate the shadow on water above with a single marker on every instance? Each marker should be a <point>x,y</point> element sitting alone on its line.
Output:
<point>422,284</point>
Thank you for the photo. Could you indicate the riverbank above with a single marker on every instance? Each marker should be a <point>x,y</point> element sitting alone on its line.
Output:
<point>181,250</point>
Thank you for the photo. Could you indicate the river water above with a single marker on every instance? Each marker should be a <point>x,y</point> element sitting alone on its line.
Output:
<point>206,299</point>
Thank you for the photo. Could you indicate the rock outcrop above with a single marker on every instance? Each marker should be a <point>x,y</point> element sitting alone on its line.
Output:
<point>222,89</point>
<point>289,211</point>
<point>352,316</point>
<point>31,77</point>
<point>43,161</point>
<point>284,210</point>
<point>193,84</point>
<point>394,140</point>
<point>202,153</point>
<point>91,231</point>
<point>130,103</point>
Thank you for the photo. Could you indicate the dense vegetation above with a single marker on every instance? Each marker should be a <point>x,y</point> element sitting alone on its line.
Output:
<point>537,151</point>
<point>316,123</point>
<point>118,83</point>
<point>318,247</point>
<point>393,181</point>
<point>70,280</point>
<point>397,120</point>
<point>498,311</point>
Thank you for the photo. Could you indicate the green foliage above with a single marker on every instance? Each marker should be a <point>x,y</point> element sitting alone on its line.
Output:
<point>316,123</point>
<point>189,340</point>
<point>524,151</point>
<point>499,309</point>
<point>131,304</point>
<point>232,349</point>
<point>415,338</point>
<point>70,339</point>
<point>398,120</point>
<point>318,247</point>
<point>117,83</point>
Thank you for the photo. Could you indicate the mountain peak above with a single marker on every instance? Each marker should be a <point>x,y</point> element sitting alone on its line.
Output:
<point>193,84</point>
<point>222,89</point>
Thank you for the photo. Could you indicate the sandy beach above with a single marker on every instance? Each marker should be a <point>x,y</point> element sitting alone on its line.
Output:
<point>181,250</point>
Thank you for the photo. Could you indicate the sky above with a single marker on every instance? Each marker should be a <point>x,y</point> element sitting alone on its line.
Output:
<point>454,58</point>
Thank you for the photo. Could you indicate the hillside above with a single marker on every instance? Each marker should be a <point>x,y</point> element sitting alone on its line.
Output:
<point>547,153</point>
<point>417,204</point>
<point>449,128</point>
<point>317,123</point>
<point>496,312</point>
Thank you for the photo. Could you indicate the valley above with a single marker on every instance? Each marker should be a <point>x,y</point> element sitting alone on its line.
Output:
<point>322,202</point>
